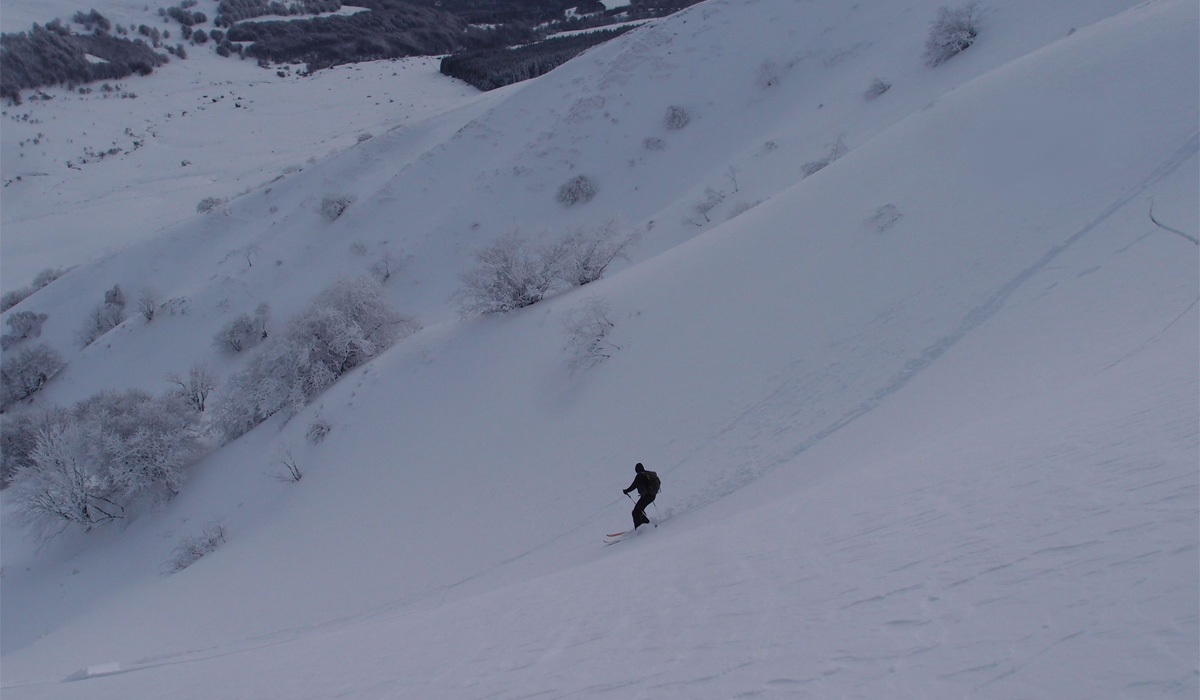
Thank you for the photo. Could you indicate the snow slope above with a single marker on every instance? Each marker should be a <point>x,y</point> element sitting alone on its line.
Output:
<point>926,419</point>
<point>197,128</point>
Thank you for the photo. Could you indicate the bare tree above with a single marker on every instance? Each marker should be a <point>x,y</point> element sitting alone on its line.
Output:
<point>195,388</point>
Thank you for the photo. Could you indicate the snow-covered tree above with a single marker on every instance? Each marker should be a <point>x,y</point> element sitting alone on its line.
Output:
<point>141,443</point>
<point>22,325</point>
<point>62,486</point>
<point>344,326</point>
<point>25,371</point>
<point>87,465</point>
<point>19,432</point>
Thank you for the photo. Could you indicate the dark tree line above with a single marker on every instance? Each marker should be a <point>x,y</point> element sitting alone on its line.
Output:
<point>52,55</point>
<point>493,68</point>
<point>495,12</point>
<point>391,29</point>
<point>230,11</point>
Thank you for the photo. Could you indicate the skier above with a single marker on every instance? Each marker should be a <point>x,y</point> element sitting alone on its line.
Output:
<point>647,485</point>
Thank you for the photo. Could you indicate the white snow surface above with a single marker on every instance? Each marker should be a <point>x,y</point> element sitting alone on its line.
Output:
<point>927,418</point>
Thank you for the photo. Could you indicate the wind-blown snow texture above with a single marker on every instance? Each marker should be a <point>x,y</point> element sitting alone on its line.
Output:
<point>926,417</point>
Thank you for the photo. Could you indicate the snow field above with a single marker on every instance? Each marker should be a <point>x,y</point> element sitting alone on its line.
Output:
<point>926,419</point>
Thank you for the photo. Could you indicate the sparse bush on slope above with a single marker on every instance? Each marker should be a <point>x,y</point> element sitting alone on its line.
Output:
<point>103,317</point>
<point>578,190</point>
<point>334,205</point>
<point>191,549</point>
<point>676,118</point>
<point>244,331</point>
<point>951,33</point>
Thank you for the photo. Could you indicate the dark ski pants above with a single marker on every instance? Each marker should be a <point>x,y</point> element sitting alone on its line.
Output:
<point>639,510</point>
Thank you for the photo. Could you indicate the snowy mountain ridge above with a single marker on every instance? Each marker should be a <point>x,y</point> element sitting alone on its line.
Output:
<point>920,384</point>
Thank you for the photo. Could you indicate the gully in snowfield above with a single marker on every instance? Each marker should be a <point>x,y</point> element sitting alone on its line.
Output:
<point>647,485</point>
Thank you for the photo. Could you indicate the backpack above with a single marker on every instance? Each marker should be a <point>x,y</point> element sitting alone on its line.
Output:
<point>653,481</point>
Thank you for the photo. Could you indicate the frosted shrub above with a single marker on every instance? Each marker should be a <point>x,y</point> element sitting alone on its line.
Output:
<point>317,431</point>
<point>885,217</point>
<point>513,272</point>
<point>577,190</point>
<point>22,325</point>
<point>208,204</point>
<point>343,327</point>
<point>191,549</point>
<point>103,318</point>
<point>335,205</point>
<point>510,274</point>
<point>243,332</point>
<point>23,373</point>
<point>586,328</point>
<point>584,255</point>
<point>676,118</point>
<point>836,151</point>
<point>951,32</point>
<point>147,304</point>
<point>877,87</point>
<point>711,199</point>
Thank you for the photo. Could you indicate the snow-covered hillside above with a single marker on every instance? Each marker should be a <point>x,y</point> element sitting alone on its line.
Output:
<point>916,366</point>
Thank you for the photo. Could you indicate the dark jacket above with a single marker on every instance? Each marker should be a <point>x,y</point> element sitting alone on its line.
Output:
<point>642,483</point>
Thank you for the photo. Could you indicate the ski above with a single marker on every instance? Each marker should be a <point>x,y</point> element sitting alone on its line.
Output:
<point>617,534</point>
